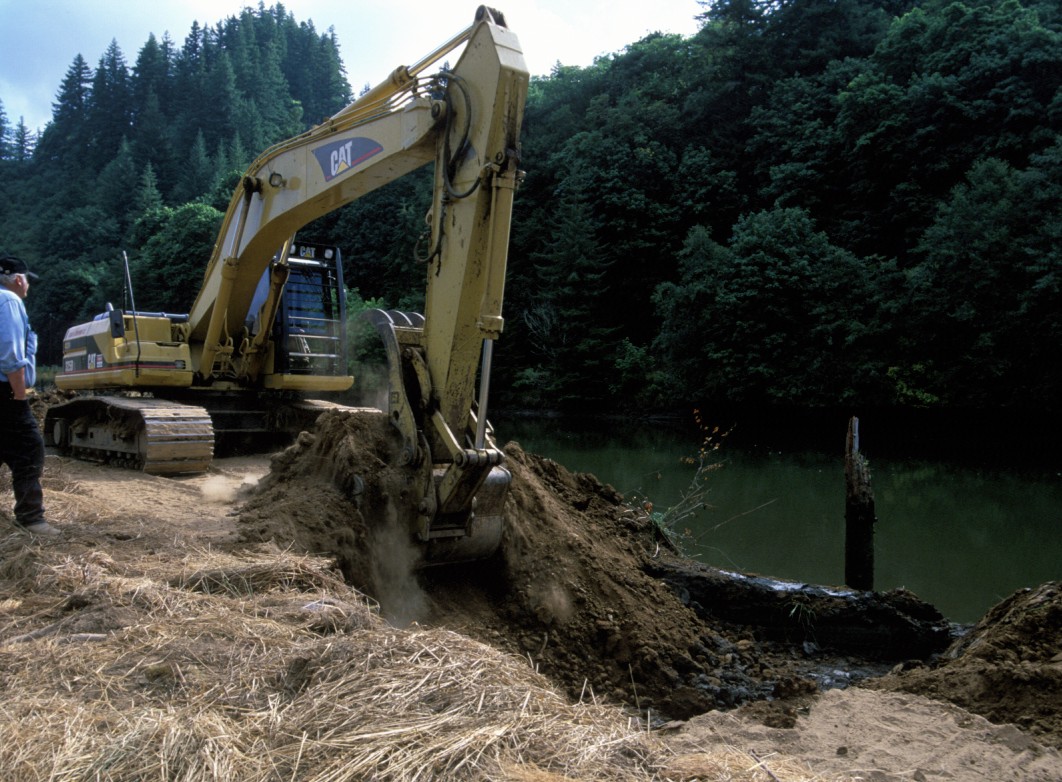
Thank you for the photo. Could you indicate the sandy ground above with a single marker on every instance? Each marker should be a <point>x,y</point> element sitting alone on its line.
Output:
<point>854,733</point>
<point>882,737</point>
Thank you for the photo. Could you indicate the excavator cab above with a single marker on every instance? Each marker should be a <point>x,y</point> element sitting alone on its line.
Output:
<point>309,332</point>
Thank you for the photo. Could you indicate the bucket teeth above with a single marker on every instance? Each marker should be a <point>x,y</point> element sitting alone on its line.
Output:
<point>387,319</point>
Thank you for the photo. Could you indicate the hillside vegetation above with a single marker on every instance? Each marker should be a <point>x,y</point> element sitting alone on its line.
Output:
<point>809,202</point>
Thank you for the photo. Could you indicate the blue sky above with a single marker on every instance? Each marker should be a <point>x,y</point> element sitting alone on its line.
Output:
<point>40,38</point>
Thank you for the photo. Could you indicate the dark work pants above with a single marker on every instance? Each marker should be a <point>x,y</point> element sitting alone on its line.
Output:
<point>22,449</point>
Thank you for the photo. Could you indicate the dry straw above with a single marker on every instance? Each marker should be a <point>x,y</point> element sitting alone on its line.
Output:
<point>264,665</point>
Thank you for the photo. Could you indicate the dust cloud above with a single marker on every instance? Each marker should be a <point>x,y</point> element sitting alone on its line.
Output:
<point>226,489</point>
<point>394,562</point>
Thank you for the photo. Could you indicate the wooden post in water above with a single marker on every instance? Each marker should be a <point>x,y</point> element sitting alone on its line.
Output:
<point>858,515</point>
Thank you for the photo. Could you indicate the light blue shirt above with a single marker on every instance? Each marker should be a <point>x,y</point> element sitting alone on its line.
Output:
<point>18,342</point>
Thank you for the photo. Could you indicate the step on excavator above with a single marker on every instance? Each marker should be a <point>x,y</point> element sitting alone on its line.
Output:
<point>266,332</point>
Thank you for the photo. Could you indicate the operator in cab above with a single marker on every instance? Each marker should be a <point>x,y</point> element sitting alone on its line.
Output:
<point>21,443</point>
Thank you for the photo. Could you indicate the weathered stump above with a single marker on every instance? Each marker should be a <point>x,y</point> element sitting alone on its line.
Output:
<point>859,515</point>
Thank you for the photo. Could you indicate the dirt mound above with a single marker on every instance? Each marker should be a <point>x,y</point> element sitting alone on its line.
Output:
<point>310,498</point>
<point>880,737</point>
<point>1008,668</point>
<point>567,588</point>
<point>569,591</point>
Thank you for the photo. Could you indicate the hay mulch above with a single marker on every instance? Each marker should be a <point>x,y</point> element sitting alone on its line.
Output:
<point>182,663</point>
<point>266,666</point>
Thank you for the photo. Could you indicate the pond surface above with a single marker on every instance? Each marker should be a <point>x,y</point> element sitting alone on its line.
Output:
<point>960,535</point>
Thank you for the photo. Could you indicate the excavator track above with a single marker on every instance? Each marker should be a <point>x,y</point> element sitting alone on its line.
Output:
<point>157,436</point>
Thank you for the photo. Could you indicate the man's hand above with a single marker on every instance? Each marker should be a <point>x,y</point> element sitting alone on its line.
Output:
<point>17,379</point>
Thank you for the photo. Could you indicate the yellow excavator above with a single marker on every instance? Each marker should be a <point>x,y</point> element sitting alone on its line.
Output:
<point>266,330</point>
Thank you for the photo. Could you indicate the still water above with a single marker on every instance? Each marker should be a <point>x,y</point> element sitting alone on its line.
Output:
<point>961,536</point>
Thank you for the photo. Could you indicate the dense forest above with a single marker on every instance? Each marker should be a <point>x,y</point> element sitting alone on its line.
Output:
<point>809,202</point>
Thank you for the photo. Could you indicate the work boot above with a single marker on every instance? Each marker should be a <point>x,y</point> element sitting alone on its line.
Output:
<point>42,528</point>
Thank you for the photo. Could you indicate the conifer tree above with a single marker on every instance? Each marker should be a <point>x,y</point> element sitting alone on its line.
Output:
<point>196,175</point>
<point>152,75</point>
<point>148,197</point>
<point>116,185</point>
<point>281,115</point>
<point>110,111</point>
<point>4,132</point>
<point>152,138</point>
<point>217,116</point>
<point>23,142</point>
<point>65,137</point>
<point>189,68</point>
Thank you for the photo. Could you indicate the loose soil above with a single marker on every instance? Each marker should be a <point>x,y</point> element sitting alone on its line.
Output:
<point>571,591</point>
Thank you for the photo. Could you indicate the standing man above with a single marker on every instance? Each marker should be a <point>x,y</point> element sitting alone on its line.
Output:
<point>21,443</point>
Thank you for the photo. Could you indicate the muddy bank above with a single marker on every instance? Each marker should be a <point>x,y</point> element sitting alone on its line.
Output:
<point>584,589</point>
<point>888,626</point>
<point>137,620</point>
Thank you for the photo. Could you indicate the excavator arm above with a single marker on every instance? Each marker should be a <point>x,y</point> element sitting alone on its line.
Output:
<point>434,359</point>
<point>466,121</point>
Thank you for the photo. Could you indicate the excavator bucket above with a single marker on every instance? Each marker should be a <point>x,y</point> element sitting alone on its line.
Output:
<point>481,535</point>
<point>460,514</point>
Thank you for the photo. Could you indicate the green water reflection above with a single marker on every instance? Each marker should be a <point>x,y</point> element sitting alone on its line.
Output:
<point>960,537</point>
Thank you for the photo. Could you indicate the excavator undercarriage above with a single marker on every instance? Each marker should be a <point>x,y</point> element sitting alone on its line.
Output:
<point>154,435</point>
<point>175,436</point>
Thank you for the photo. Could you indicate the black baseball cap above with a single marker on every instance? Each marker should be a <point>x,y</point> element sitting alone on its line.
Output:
<point>9,264</point>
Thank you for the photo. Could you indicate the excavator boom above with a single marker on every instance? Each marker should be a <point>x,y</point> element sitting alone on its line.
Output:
<point>384,135</point>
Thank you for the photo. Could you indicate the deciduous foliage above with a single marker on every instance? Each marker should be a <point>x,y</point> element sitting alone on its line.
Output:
<point>175,244</point>
<point>846,177</point>
<point>988,285</point>
<point>809,202</point>
<point>787,312</point>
